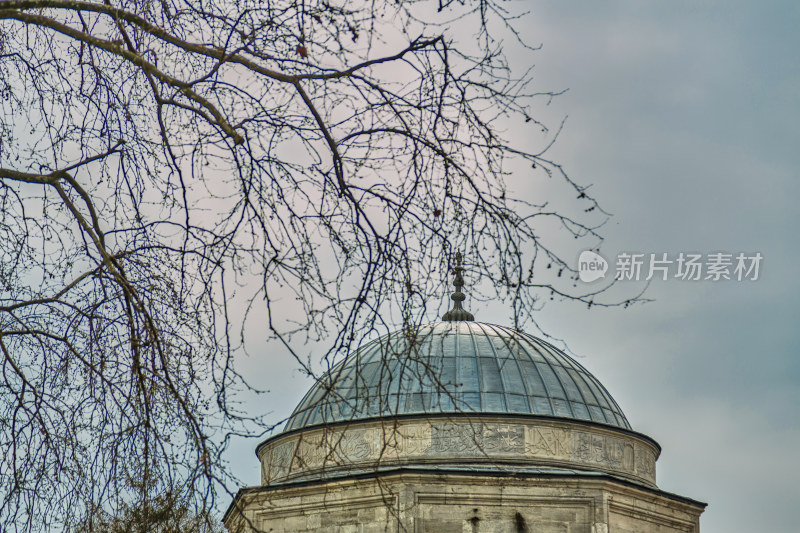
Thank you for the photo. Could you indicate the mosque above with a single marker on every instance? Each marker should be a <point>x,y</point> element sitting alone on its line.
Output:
<point>459,427</point>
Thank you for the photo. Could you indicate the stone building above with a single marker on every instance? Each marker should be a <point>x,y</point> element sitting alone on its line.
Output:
<point>459,427</point>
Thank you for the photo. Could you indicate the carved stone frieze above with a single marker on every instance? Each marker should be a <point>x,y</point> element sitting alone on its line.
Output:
<point>475,440</point>
<point>278,461</point>
<point>444,441</point>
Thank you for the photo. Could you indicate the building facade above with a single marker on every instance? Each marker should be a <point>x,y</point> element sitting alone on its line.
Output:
<point>459,427</point>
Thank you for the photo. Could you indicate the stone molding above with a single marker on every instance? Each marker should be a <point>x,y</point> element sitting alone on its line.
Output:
<point>465,440</point>
<point>655,515</point>
<point>435,502</point>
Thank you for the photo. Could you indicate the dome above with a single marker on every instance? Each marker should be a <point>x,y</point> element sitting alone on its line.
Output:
<point>457,367</point>
<point>454,426</point>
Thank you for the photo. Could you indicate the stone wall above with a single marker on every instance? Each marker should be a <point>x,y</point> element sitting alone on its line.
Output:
<point>448,440</point>
<point>431,503</point>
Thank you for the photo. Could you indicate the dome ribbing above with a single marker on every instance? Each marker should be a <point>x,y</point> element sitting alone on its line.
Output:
<point>457,367</point>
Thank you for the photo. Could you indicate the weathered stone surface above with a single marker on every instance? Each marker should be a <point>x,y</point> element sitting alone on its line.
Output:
<point>432,503</point>
<point>534,441</point>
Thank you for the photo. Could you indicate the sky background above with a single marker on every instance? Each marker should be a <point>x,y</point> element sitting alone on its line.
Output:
<point>684,117</point>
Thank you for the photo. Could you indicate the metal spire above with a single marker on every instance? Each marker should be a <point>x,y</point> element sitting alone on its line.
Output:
<point>457,313</point>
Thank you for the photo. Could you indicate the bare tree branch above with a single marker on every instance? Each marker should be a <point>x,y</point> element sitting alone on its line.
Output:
<point>178,178</point>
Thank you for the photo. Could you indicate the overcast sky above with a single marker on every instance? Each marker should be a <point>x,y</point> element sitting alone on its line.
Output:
<point>684,117</point>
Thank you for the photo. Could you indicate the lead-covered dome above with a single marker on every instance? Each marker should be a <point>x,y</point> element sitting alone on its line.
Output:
<point>456,367</point>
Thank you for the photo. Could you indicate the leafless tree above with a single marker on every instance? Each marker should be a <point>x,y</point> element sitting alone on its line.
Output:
<point>162,159</point>
<point>165,512</point>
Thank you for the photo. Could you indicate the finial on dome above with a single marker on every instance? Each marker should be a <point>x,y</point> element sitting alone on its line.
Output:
<point>457,313</point>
